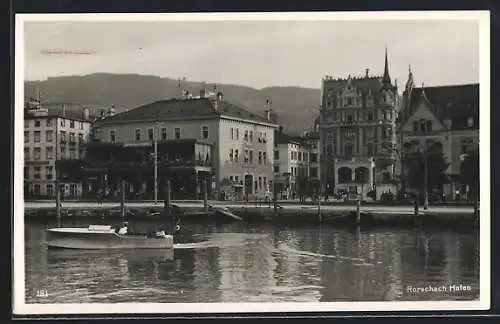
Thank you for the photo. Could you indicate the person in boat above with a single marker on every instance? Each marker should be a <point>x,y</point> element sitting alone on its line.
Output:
<point>123,229</point>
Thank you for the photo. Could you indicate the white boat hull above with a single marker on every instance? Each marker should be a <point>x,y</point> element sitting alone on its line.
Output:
<point>104,239</point>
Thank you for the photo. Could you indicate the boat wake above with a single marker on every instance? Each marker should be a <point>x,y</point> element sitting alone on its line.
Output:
<point>222,240</point>
<point>283,247</point>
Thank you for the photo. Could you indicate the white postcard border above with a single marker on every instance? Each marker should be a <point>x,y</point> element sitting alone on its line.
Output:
<point>21,308</point>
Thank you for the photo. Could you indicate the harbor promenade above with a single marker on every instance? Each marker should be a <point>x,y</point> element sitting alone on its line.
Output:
<point>372,208</point>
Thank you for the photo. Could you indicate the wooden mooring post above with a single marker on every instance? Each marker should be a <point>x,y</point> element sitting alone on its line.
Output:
<point>205,195</point>
<point>167,198</point>
<point>358,211</point>
<point>122,199</point>
<point>320,215</point>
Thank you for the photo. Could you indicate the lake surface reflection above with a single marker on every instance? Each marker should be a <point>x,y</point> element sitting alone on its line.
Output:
<point>261,263</point>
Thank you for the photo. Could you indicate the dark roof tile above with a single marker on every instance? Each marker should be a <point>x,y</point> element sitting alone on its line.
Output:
<point>184,108</point>
<point>456,102</point>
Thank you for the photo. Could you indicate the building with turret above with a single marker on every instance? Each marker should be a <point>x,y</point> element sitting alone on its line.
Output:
<point>444,117</point>
<point>357,132</point>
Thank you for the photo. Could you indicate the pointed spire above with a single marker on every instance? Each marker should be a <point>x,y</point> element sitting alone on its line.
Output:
<point>422,94</point>
<point>386,79</point>
<point>409,83</point>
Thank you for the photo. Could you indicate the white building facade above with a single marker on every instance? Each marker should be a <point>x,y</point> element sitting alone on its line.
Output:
<point>243,141</point>
<point>49,137</point>
<point>357,133</point>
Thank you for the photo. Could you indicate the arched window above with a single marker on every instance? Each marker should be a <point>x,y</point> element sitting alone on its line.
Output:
<point>428,125</point>
<point>344,175</point>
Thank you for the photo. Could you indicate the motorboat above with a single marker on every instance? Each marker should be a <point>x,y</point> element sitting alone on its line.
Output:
<point>102,237</point>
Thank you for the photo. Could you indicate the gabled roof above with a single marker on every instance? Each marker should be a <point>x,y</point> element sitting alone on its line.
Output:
<point>373,84</point>
<point>457,103</point>
<point>175,109</point>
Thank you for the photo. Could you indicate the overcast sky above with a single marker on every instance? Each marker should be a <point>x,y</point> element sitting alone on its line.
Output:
<point>257,54</point>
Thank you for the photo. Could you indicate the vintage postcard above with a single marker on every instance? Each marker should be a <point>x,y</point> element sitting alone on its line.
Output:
<point>244,162</point>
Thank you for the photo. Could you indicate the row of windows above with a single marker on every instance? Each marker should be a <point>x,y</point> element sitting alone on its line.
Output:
<point>49,136</point>
<point>248,156</point>
<point>50,190</point>
<point>37,172</point>
<point>422,126</point>
<point>248,136</point>
<point>350,102</point>
<point>313,171</point>
<point>49,153</point>
<point>330,150</point>
<point>260,184</point>
<point>50,122</point>
<point>369,132</point>
<point>204,134</point>
<point>350,116</point>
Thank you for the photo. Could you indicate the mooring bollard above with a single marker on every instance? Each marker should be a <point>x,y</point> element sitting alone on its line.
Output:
<point>358,211</point>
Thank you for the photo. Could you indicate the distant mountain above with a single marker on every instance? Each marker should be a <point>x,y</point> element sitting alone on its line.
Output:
<point>295,107</point>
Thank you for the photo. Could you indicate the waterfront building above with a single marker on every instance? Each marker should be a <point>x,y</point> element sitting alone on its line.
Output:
<point>50,135</point>
<point>357,132</point>
<point>241,143</point>
<point>296,163</point>
<point>446,117</point>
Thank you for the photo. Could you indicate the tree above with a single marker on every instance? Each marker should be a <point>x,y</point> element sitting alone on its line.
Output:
<point>469,172</point>
<point>302,186</point>
<point>436,169</point>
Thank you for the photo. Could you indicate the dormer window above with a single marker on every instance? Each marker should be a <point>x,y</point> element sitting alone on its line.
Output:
<point>428,125</point>
<point>415,126</point>
<point>369,100</point>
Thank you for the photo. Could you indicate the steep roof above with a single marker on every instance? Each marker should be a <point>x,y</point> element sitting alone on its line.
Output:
<point>456,102</point>
<point>175,109</point>
<point>373,84</point>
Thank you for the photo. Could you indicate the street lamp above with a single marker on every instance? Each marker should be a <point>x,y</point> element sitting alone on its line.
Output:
<point>155,158</point>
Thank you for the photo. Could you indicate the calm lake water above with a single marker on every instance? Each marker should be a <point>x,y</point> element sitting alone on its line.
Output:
<point>261,263</point>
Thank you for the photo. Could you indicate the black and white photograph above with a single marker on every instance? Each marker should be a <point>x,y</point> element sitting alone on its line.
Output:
<point>251,162</point>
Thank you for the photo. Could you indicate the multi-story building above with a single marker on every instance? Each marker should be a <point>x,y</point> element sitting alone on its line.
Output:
<point>296,163</point>
<point>242,141</point>
<point>357,132</point>
<point>50,136</point>
<point>446,117</point>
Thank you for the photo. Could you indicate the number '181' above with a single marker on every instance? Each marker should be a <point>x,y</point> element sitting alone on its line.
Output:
<point>42,293</point>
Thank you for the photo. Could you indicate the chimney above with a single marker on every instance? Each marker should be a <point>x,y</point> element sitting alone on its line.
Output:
<point>268,109</point>
<point>86,114</point>
<point>218,100</point>
<point>367,72</point>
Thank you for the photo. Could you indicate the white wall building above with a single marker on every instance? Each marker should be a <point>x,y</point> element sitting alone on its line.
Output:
<point>243,141</point>
<point>51,136</point>
<point>296,161</point>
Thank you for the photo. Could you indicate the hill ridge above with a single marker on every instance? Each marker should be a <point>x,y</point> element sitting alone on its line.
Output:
<point>296,107</point>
